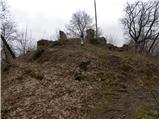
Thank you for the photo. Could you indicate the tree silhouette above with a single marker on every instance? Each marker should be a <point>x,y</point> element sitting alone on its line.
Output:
<point>141,24</point>
<point>79,23</point>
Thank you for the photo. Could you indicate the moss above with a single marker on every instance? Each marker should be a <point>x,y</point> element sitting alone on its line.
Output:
<point>142,113</point>
<point>103,76</point>
<point>38,76</point>
<point>107,75</point>
<point>101,107</point>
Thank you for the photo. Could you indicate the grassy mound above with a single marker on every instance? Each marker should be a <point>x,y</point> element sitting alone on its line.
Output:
<point>80,82</point>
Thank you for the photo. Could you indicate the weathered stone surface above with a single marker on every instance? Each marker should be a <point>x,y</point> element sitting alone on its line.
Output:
<point>90,35</point>
<point>102,40</point>
<point>62,37</point>
<point>47,43</point>
<point>44,42</point>
<point>90,38</point>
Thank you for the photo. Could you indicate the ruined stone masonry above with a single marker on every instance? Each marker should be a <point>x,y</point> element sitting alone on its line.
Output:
<point>63,40</point>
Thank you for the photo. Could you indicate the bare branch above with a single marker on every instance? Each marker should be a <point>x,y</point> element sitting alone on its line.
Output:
<point>141,22</point>
<point>79,23</point>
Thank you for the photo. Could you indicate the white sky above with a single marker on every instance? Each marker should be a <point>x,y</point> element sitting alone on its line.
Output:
<point>46,17</point>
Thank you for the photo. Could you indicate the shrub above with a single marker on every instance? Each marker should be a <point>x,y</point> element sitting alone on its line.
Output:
<point>37,54</point>
<point>84,65</point>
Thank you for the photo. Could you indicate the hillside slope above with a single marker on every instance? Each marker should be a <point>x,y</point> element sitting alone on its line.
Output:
<point>80,82</point>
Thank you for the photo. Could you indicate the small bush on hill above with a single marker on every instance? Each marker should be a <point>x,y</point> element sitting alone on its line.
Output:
<point>37,54</point>
<point>84,65</point>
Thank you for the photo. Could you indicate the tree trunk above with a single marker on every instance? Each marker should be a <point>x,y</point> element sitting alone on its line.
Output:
<point>142,46</point>
<point>8,47</point>
<point>152,44</point>
<point>5,54</point>
<point>136,47</point>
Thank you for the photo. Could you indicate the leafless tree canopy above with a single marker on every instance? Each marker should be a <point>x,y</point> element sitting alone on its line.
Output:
<point>18,41</point>
<point>7,30</point>
<point>24,42</point>
<point>7,24</point>
<point>141,24</point>
<point>79,23</point>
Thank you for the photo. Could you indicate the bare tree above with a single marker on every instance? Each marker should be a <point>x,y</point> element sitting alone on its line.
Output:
<point>141,24</point>
<point>8,47</point>
<point>7,28</point>
<point>79,23</point>
<point>23,44</point>
<point>111,39</point>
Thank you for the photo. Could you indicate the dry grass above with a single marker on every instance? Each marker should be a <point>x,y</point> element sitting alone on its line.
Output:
<point>61,83</point>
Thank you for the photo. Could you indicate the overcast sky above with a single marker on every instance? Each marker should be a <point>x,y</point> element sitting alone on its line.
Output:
<point>44,18</point>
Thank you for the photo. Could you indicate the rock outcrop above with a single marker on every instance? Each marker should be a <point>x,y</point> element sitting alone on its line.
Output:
<point>90,38</point>
<point>62,37</point>
<point>102,40</point>
<point>46,43</point>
